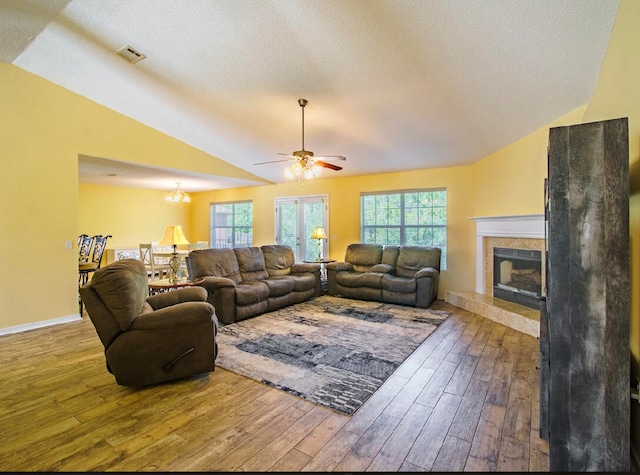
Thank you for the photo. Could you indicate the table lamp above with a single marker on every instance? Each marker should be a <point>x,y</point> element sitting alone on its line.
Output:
<point>173,236</point>
<point>318,233</point>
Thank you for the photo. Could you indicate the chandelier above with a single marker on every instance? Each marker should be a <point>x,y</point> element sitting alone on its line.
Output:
<point>178,196</point>
<point>303,169</point>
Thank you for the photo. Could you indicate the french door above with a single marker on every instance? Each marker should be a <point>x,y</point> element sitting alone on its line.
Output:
<point>296,217</point>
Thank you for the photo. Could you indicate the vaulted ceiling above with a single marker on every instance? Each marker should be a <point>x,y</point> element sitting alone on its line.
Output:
<point>391,84</point>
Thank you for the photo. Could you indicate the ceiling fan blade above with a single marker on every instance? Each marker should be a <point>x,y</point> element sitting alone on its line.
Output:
<point>331,166</point>
<point>273,161</point>
<point>331,157</point>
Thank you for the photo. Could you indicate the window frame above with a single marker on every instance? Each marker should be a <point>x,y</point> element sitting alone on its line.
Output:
<point>234,226</point>
<point>399,224</point>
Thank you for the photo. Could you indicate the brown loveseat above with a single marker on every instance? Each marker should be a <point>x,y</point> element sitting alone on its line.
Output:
<point>153,339</point>
<point>246,281</point>
<point>405,275</point>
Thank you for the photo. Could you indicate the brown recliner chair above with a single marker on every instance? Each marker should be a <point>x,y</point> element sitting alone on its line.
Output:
<point>149,340</point>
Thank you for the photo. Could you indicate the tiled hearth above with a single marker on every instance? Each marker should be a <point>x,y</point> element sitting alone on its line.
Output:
<point>522,232</point>
<point>513,315</point>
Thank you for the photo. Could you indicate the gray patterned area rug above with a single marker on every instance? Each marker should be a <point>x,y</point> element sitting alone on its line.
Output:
<point>332,351</point>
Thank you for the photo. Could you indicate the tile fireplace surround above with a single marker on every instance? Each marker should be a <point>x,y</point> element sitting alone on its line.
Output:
<point>518,232</point>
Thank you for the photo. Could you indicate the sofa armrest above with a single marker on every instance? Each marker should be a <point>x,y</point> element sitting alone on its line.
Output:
<point>222,293</point>
<point>212,283</point>
<point>175,316</point>
<point>339,266</point>
<point>187,294</point>
<point>427,281</point>
<point>427,272</point>
<point>301,267</point>
<point>383,269</point>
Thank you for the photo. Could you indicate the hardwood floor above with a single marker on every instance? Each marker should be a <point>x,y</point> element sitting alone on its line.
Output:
<point>465,400</point>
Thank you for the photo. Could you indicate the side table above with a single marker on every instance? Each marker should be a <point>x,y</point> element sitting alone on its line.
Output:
<point>164,285</point>
<point>323,270</point>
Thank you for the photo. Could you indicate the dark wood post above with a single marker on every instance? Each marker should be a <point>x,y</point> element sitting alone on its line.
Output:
<point>588,299</point>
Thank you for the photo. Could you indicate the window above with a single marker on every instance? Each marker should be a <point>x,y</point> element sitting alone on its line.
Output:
<point>231,224</point>
<point>416,217</point>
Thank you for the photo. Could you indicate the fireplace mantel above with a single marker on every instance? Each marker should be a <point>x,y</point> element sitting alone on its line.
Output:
<point>519,226</point>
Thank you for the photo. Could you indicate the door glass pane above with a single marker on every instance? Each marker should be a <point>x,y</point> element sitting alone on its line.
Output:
<point>313,217</point>
<point>296,219</point>
<point>288,214</point>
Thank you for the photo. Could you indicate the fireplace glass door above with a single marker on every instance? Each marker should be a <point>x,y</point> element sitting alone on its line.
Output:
<point>517,276</point>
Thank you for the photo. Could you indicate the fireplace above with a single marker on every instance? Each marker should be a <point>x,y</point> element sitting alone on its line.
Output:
<point>517,276</point>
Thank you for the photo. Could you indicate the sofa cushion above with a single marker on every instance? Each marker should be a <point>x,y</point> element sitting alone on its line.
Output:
<point>413,258</point>
<point>278,259</point>
<point>251,292</point>
<point>304,282</point>
<point>214,263</point>
<point>394,283</point>
<point>280,285</point>
<point>390,255</point>
<point>363,256</point>
<point>251,263</point>
<point>360,279</point>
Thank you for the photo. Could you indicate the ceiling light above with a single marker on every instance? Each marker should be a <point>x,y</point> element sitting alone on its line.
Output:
<point>303,169</point>
<point>178,196</point>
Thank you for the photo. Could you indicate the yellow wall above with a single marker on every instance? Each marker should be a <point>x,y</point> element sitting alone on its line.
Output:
<point>130,215</point>
<point>511,180</point>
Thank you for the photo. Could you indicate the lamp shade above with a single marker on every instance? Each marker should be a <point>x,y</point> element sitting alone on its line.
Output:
<point>318,233</point>
<point>173,236</point>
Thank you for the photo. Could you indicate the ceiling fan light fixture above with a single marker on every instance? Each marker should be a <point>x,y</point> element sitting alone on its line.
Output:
<point>309,174</point>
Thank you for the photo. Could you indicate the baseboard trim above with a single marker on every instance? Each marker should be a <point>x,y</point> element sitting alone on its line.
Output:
<point>42,324</point>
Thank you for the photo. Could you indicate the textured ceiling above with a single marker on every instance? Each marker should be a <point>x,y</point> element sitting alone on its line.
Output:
<point>392,85</point>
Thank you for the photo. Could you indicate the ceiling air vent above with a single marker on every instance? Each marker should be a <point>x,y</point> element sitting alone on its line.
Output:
<point>130,54</point>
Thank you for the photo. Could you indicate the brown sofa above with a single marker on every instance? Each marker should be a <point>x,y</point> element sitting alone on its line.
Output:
<point>405,275</point>
<point>245,281</point>
<point>149,340</point>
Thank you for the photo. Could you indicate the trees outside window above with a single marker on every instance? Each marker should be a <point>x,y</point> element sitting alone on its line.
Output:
<point>231,224</point>
<point>417,217</point>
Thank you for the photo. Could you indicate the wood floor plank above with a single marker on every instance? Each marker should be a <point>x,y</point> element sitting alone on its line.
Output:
<point>367,447</point>
<point>233,460</point>
<point>324,432</point>
<point>293,461</point>
<point>285,442</point>
<point>514,456</point>
<point>466,419</point>
<point>430,395</point>
<point>462,375</point>
<point>485,447</point>
<point>452,456</point>
<point>392,454</point>
<point>518,416</point>
<point>426,447</point>
<point>498,393</point>
<point>332,453</point>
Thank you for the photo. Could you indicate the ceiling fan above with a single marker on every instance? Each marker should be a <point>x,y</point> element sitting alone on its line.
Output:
<point>305,163</point>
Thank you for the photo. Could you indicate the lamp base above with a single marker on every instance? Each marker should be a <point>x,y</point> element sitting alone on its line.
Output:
<point>174,263</point>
